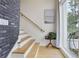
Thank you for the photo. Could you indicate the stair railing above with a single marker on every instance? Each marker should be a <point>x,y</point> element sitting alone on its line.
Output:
<point>32,22</point>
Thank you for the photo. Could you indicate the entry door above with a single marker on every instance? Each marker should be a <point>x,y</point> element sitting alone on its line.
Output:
<point>9,25</point>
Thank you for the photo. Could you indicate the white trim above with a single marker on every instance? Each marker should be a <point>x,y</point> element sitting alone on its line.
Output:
<point>57,24</point>
<point>37,52</point>
<point>14,55</point>
<point>29,49</point>
<point>67,54</point>
<point>61,24</point>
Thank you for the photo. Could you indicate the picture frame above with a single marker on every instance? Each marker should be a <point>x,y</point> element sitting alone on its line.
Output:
<point>49,16</point>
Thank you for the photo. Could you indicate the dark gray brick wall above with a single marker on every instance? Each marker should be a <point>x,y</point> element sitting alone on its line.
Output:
<point>9,10</point>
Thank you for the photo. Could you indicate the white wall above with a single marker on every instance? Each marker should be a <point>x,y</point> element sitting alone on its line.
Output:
<point>30,28</point>
<point>34,9</point>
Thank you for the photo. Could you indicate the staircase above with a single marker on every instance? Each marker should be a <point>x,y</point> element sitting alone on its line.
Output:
<point>26,47</point>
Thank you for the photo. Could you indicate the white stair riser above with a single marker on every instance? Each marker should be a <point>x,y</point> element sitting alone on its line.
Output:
<point>17,55</point>
<point>24,42</point>
<point>22,36</point>
<point>21,32</point>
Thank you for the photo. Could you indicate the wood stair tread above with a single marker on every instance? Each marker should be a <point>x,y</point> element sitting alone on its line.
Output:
<point>33,51</point>
<point>24,48</point>
<point>25,38</point>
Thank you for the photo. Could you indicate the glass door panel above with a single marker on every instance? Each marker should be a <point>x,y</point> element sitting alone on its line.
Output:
<point>73,25</point>
<point>70,27</point>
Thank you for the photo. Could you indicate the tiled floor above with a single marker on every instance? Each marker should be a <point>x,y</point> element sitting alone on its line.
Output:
<point>49,52</point>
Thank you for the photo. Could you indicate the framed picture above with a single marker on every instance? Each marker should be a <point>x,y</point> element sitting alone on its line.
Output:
<point>49,16</point>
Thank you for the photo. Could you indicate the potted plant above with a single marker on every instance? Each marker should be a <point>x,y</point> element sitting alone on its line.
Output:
<point>51,36</point>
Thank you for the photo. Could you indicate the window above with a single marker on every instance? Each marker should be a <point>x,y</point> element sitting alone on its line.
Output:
<point>70,26</point>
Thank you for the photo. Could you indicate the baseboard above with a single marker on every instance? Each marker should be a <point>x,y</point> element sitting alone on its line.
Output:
<point>67,54</point>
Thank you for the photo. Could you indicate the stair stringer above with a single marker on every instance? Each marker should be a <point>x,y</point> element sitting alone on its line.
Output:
<point>15,46</point>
